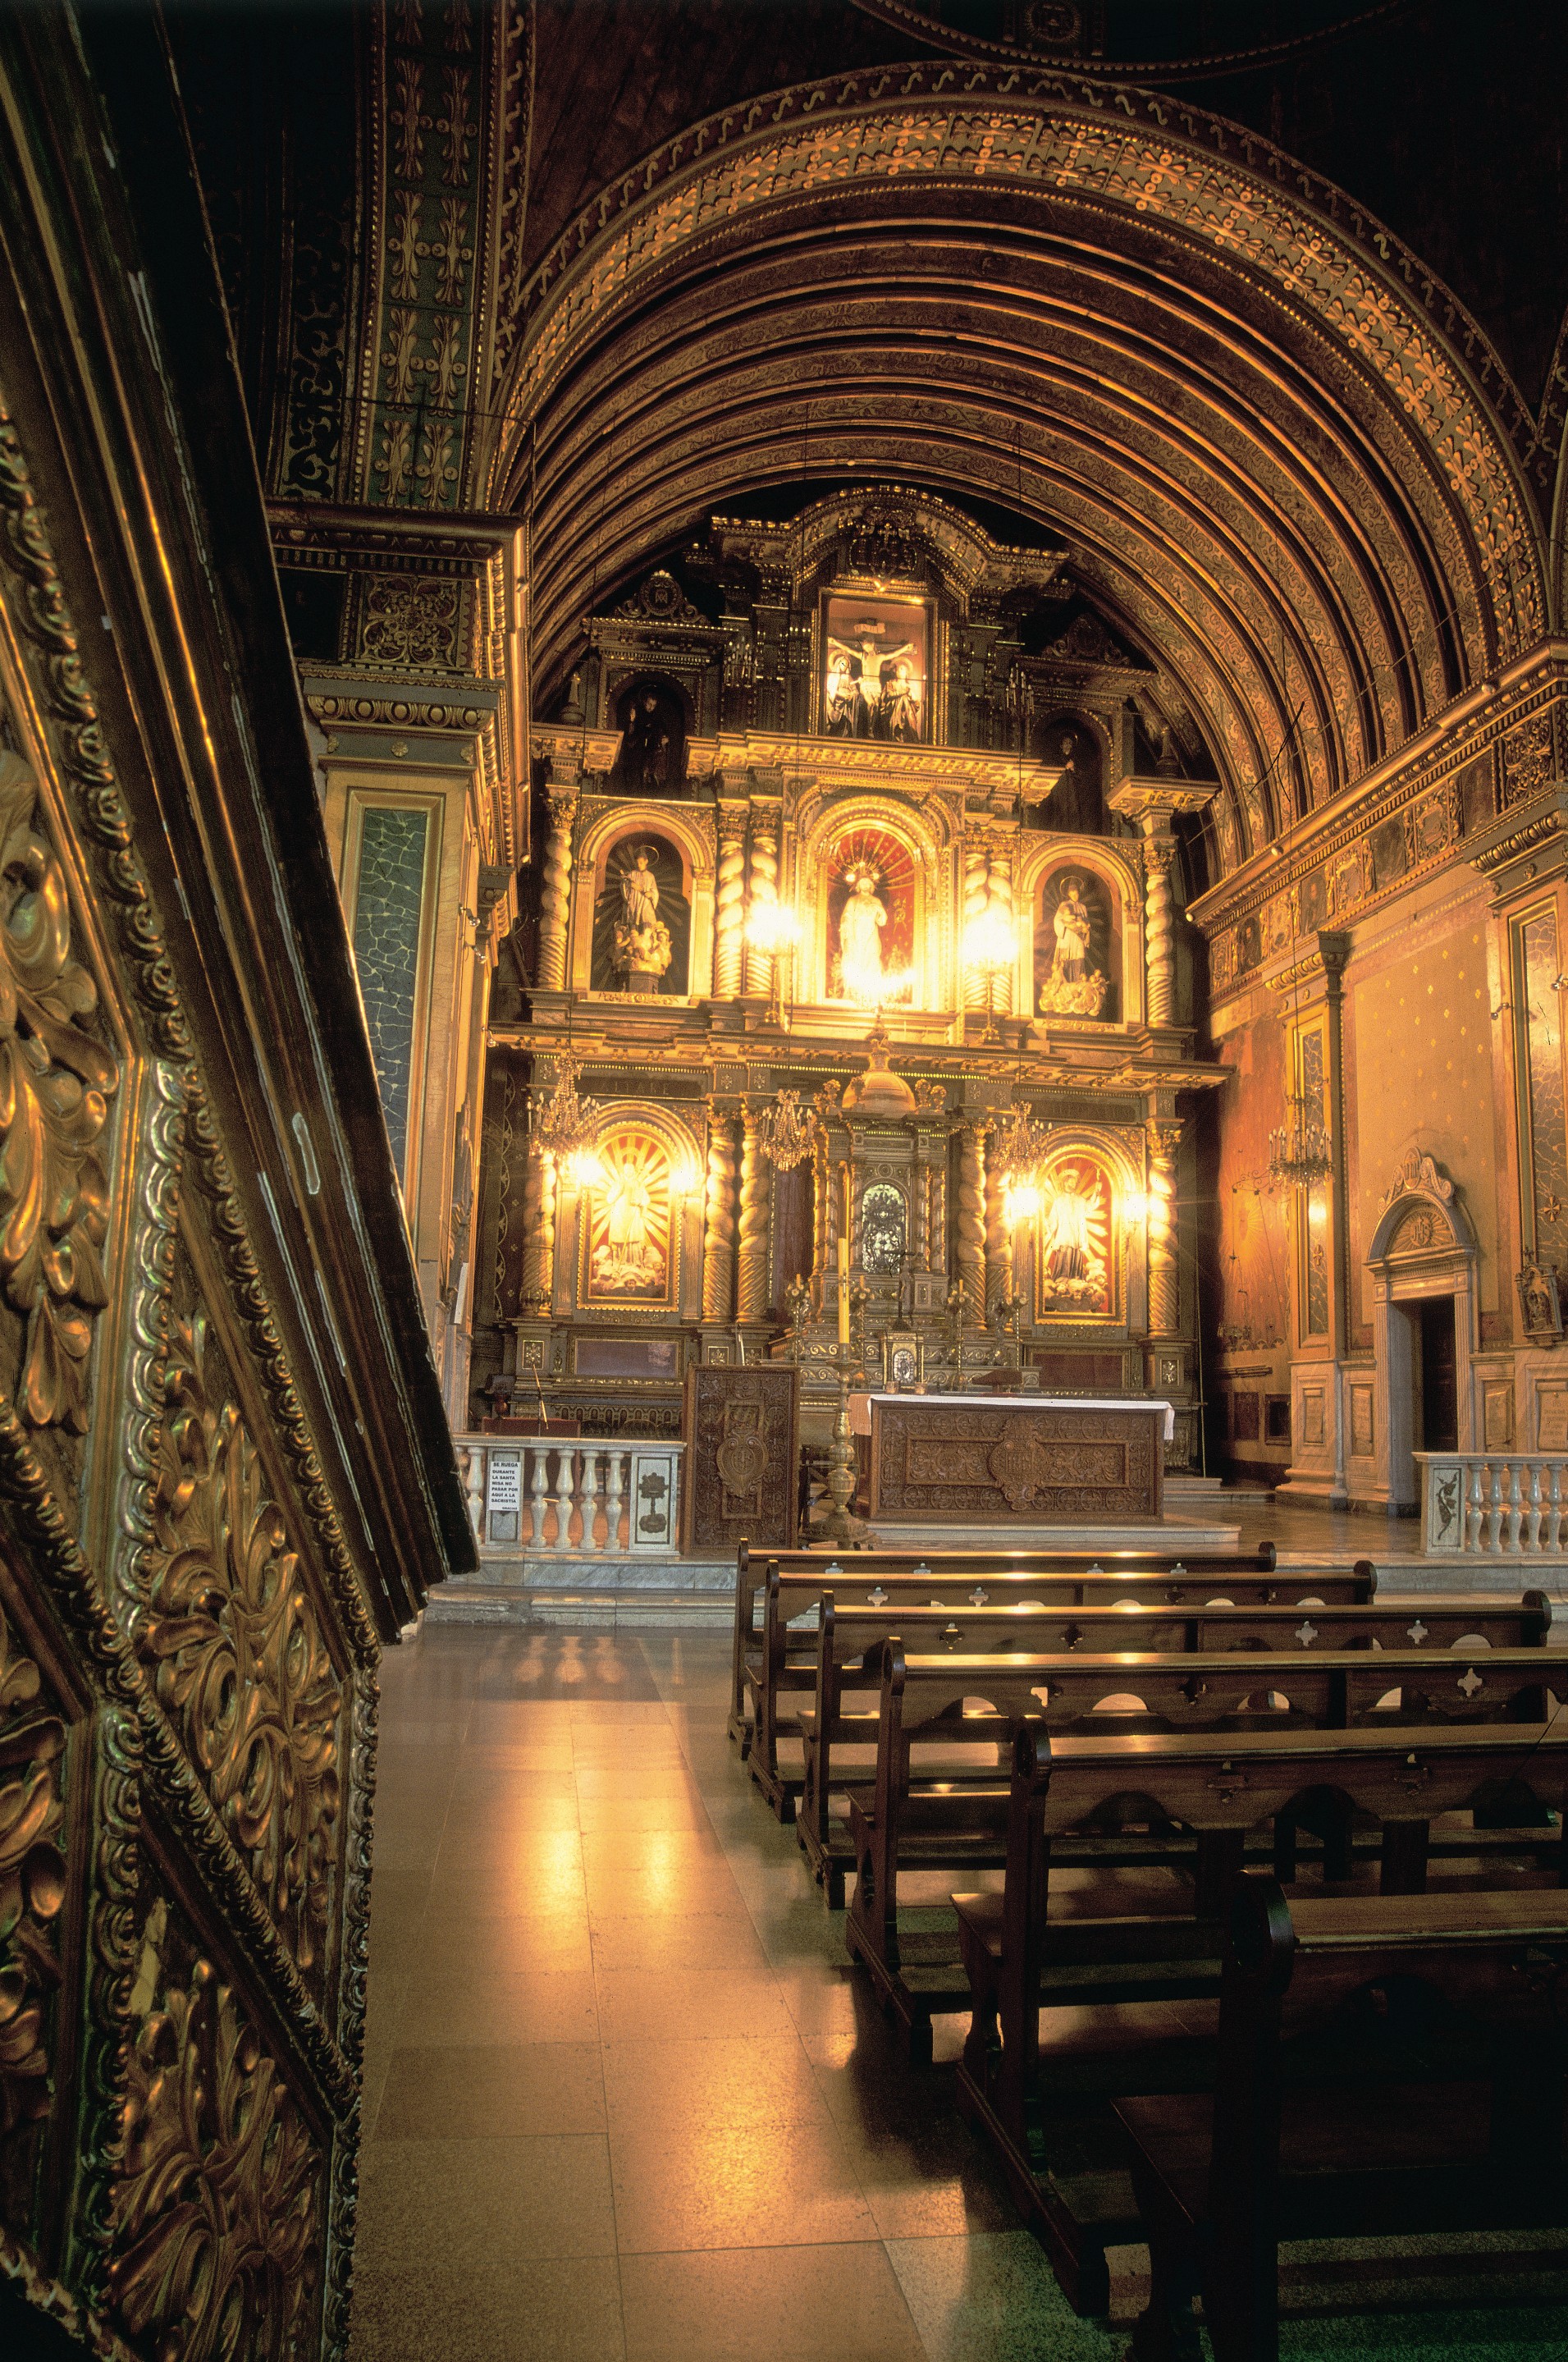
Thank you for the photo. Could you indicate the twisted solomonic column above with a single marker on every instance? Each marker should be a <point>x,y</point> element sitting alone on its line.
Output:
<point>1159,948</point>
<point>729,904</point>
<point>1164,1292</point>
<point>1001,901</point>
<point>764,889</point>
<point>539,1230</point>
<point>751,1275</point>
<point>719,1223</point>
<point>976,876</point>
<point>999,1239</point>
<point>972,1216</point>
<point>555,901</point>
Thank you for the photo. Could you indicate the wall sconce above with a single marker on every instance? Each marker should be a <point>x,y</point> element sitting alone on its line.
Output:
<point>990,946</point>
<point>774,931</point>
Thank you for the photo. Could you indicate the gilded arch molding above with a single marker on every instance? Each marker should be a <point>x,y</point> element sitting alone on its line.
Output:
<point>1126,152</point>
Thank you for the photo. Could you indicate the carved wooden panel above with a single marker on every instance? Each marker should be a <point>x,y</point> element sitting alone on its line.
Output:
<point>741,1431</point>
<point>1056,1463</point>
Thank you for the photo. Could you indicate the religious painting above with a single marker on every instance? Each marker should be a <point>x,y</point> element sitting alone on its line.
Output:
<point>641,919</point>
<point>1075,1262</point>
<point>870,915</point>
<point>652,722</point>
<point>1078,946</point>
<point>875,669</point>
<point>627,1222</point>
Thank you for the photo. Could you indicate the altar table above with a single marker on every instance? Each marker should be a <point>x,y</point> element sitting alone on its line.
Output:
<point>1000,1460</point>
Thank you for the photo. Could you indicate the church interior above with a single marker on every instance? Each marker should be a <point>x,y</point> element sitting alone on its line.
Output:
<point>783,1180</point>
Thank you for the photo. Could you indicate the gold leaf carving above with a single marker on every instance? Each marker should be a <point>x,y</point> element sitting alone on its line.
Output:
<point>54,1082</point>
<point>240,1663</point>
<point>217,2218</point>
<point>32,1888</point>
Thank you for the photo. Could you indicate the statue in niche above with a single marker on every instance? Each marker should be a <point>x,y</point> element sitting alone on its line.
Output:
<point>862,967</point>
<point>1075,986</point>
<point>652,761</point>
<point>642,950</point>
<point>629,1222</point>
<point>1075,806</point>
<point>1074,1228</point>
<point>642,921</point>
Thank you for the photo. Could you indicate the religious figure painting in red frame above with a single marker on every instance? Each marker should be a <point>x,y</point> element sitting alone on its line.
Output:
<point>875,669</point>
<point>870,920</point>
<point>1075,1260</point>
<point>1077,946</point>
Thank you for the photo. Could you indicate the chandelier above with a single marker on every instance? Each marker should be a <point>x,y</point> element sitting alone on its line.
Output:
<point>1018,1153</point>
<point>1300,1153</point>
<point>784,1133</point>
<point>563,1126</point>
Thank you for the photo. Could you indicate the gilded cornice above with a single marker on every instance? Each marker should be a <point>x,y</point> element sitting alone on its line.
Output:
<point>1471,726</point>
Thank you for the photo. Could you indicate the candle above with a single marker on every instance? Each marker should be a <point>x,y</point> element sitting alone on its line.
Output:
<point>843,1310</point>
<point>844,1254</point>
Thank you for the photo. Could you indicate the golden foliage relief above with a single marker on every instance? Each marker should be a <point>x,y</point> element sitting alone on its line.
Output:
<point>32,1895</point>
<point>218,2231</point>
<point>240,1663</point>
<point>54,1082</point>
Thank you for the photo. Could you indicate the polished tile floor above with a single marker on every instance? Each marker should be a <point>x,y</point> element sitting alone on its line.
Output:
<point>623,2100</point>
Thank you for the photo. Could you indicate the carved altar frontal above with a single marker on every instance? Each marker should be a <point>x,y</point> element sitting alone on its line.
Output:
<point>740,1429</point>
<point>951,1463</point>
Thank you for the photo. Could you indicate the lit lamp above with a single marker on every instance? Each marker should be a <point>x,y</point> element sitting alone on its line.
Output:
<point>990,947</point>
<point>774,930</point>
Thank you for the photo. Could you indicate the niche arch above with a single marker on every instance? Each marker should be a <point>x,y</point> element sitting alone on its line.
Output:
<point>1044,856</point>
<point>847,832</point>
<point>1423,1247</point>
<point>690,846</point>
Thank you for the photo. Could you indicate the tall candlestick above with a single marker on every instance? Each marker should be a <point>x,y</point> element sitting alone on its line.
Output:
<point>843,1310</point>
<point>844,1254</point>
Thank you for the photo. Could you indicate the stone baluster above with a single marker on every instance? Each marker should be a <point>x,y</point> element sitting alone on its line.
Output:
<point>764,889</point>
<point>719,1221</point>
<point>538,1495</point>
<point>977,873</point>
<point>1516,1505</point>
<point>751,1285</point>
<point>1554,1510</point>
<point>1475,1507</point>
<point>612,1490</point>
<point>563,1497</point>
<point>555,900</point>
<point>473,1459</point>
<point>587,1494</point>
<point>729,903</point>
<point>1164,1291</point>
<point>1533,1526</point>
<point>1159,948</point>
<point>1494,1506</point>
<point>971,1217</point>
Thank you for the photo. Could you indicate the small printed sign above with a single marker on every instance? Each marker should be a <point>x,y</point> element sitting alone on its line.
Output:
<point>504,1483</point>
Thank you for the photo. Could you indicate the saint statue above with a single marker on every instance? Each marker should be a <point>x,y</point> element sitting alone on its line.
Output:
<point>643,945</point>
<point>1075,986</point>
<point>628,1256</point>
<point>645,747</point>
<point>846,715</point>
<point>1067,1240</point>
<point>898,708</point>
<point>862,969</point>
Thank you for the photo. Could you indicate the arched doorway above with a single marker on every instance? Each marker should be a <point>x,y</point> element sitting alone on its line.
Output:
<point>1425,1329</point>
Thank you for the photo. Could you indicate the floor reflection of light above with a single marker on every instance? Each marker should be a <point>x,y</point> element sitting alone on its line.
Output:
<point>531,1668</point>
<point>607,1665</point>
<point>666,1875</point>
<point>571,1667</point>
<point>555,1863</point>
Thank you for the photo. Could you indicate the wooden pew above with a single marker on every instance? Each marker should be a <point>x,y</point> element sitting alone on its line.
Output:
<point>874,1567</point>
<point>1021,1954</point>
<point>1334,2111</point>
<point>785,1659</point>
<point>953,1817</point>
<point>848,1654</point>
